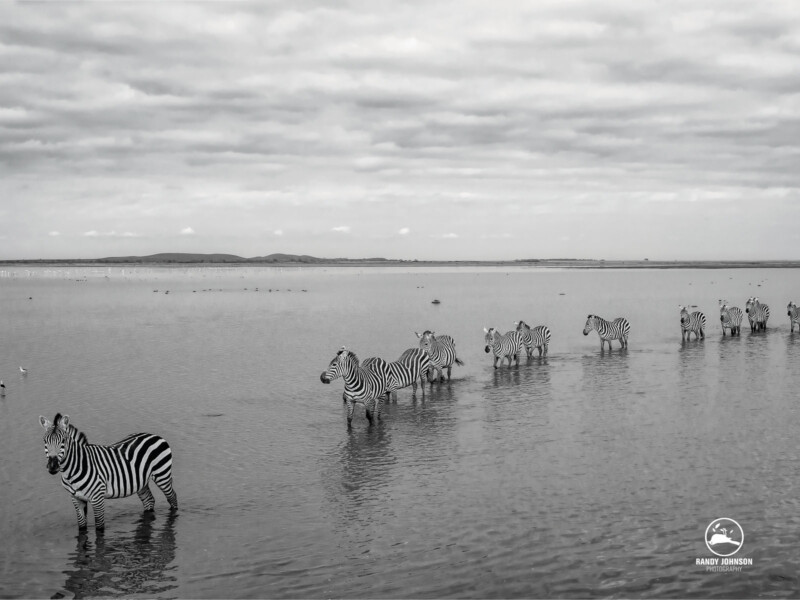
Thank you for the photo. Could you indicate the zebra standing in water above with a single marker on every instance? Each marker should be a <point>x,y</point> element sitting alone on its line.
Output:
<point>730,317</point>
<point>91,472</point>
<point>794,316</point>
<point>538,337</point>
<point>442,352</point>
<point>618,329</point>
<point>757,314</point>
<point>413,364</point>
<point>505,346</point>
<point>362,384</point>
<point>692,323</point>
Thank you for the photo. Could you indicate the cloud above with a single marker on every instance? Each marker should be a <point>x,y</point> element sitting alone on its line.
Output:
<point>187,231</point>
<point>404,231</point>
<point>341,229</point>
<point>54,233</point>
<point>278,232</point>
<point>446,236</point>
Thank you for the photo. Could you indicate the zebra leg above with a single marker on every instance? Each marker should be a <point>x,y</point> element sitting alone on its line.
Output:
<point>368,406</point>
<point>350,407</point>
<point>449,371</point>
<point>378,407</point>
<point>164,483</point>
<point>99,507</point>
<point>80,510</point>
<point>146,496</point>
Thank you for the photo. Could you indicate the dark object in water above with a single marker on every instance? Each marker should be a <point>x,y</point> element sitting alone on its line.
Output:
<point>435,302</point>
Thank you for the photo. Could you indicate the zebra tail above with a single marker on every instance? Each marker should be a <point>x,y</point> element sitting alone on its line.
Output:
<point>459,362</point>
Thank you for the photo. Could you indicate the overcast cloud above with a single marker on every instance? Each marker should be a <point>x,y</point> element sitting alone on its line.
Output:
<point>429,130</point>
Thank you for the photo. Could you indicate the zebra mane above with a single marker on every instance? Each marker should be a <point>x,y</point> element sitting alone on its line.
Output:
<point>348,353</point>
<point>72,431</point>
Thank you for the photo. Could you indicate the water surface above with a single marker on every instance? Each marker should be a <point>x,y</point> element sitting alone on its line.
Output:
<point>587,473</point>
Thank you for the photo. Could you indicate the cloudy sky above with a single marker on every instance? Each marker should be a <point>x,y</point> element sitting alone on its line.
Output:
<point>428,130</point>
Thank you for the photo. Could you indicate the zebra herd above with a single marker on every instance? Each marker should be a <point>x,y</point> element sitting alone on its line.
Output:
<point>367,383</point>
<point>374,379</point>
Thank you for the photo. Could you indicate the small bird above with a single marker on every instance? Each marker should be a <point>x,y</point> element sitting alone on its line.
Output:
<point>23,371</point>
<point>2,388</point>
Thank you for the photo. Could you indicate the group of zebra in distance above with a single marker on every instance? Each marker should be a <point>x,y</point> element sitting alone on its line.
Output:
<point>374,379</point>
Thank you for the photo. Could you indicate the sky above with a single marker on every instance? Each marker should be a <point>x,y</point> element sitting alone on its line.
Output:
<point>430,130</point>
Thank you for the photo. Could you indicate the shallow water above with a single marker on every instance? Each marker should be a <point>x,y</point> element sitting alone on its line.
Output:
<point>587,473</point>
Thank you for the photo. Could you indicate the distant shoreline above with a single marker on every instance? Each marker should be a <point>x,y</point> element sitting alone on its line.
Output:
<point>201,261</point>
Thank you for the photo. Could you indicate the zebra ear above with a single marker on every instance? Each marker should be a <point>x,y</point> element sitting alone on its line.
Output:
<point>418,335</point>
<point>485,330</point>
<point>64,422</point>
<point>45,423</point>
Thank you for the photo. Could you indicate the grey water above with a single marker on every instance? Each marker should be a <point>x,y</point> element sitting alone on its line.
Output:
<point>583,474</point>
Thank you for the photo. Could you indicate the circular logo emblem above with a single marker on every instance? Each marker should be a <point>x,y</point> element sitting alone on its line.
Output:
<point>724,537</point>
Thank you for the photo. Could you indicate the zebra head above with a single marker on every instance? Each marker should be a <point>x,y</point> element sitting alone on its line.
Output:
<point>591,323</point>
<point>684,314</point>
<point>520,325</point>
<point>751,303</point>
<point>56,441</point>
<point>489,338</point>
<point>426,339</point>
<point>791,309</point>
<point>344,362</point>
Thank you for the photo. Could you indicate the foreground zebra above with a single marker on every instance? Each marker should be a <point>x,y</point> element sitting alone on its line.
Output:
<point>91,473</point>
<point>538,337</point>
<point>442,352</point>
<point>794,316</point>
<point>618,329</point>
<point>692,323</point>
<point>730,317</point>
<point>505,346</point>
<point>362,384</point>
<point>757,314</point>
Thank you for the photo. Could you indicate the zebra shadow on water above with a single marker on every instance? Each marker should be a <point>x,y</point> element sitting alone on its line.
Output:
<point>124,566</point>
<point>356,476</point>
<point>605,375</point>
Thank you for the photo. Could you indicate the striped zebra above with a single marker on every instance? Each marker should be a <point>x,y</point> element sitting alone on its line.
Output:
<point>505,346</point>
<point>538,337</point>
<point>365,385</point>
<point>91,472</point>
<point>730,317</point>
<point>618,329</point>
<point>794,316</point>
<point>757,314</point>
<point>413,364</point>
<point>692,323</point>
<point>442,352</point>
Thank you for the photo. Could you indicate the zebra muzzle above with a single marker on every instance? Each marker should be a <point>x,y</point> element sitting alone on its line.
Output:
<point>52,465</point>
<point>324,378</point>
<point>486,349</point>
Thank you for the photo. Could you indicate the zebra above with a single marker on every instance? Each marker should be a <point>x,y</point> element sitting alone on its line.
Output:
<point>362,384</point>
<point>538,337</point>
<point>692,323</point>
<point>413,364</point>
<point>505,346</point>
<point>91,472</point>
<point>757,314</point>
<point>442,352</point>
<point>794,316</point>
<point>618,329</point>
<point>730,318</point>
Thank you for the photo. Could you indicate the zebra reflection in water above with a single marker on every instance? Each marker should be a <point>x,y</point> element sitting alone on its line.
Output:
<point>132,565</point>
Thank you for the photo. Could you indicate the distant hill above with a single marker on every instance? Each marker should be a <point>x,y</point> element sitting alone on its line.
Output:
<point>176,257</point>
